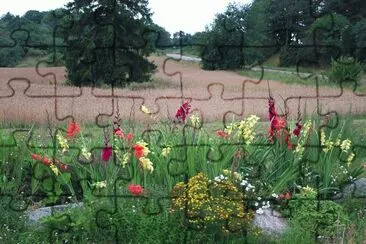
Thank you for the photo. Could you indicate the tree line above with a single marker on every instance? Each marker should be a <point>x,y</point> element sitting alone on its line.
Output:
<point>103,41</point>
<point>301,32</point>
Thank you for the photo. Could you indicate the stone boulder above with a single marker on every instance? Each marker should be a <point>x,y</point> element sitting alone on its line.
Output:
<point>271,222</point>
<point>35,215</point>
<point>356,189</point>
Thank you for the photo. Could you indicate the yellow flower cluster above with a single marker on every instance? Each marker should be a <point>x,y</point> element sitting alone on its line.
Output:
<point>62,141</point>
<point>346,145</point>
<point>145,110</point>
<point>234,175</point>
<point>84,151</point>
<point>143,144</point>
<point>308,191</point>
<point>350,159</point>
<point>326,144</point>
<point>244,129</point>
<point>211,203</point>
<point>146,164</point>
<point>195,121</point>
<point>166,151</point>
<point>304,136</point>
<point>231,128</point>
<point>54,169</point>
<point>100,184</point>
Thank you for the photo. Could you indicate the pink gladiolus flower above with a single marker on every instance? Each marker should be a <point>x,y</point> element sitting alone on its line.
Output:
<point>106,153</point>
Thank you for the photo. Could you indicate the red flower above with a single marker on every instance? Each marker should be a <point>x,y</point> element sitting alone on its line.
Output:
<point>139,151</point>
<point>287,196</point>
<point>222,134</point>
<point>182,112</point>
<point>106,153</point>
<point>135,190</point>
<point>297,130</point>
<point>72,129</point>
<point>278,123</point>
<point>129,136</point>
<point>42,159</point>
<point>272,109</point>
<point>46,161</point>
<point>36,157</point>
<point>118,132</point>
<point>63,167</point>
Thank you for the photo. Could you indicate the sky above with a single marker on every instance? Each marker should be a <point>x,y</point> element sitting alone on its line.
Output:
<point>189,16</point>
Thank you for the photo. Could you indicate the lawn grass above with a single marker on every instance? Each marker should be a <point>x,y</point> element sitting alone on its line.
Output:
<point>303,79</point>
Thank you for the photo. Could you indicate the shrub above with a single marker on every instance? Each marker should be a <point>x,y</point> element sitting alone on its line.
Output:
<point>324,219</point>
<point>211,203</point>
<point>345,69</point>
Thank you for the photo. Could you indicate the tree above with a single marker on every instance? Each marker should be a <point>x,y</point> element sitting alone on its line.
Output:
<point>224,39</point>
<point>354,10</point>
<point>329,32</point>
<point>288,22</point>
<point>107,42</point>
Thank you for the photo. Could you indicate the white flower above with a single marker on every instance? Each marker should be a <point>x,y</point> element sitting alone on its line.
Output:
<point>259,211</point>
<point>256,204</point>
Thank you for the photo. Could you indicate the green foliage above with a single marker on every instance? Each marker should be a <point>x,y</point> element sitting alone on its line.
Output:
<point>329,32</point>
<point>346,69</point>
<point>37,30</point>
<point>325,217</point>
<point>359,32</point>
<point>110,50</point>
<point>130,222</point>
<point>223,40</point>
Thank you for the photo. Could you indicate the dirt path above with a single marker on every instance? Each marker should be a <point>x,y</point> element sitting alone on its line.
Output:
<point>25,96</point>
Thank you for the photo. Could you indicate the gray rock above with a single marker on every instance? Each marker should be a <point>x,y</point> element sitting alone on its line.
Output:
<point>356,189</point>
<point>270,222</point>
<point>35,215</point>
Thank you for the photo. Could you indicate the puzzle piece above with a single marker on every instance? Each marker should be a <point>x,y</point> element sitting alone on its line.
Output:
<point>228,94</point>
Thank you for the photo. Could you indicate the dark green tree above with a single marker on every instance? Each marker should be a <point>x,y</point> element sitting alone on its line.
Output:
<point>107,42</point>
<point>288,22</point>
<point>359,32</point>
<point>224,39</point>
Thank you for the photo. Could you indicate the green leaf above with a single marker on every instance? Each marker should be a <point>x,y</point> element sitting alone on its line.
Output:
<point>64,178</point>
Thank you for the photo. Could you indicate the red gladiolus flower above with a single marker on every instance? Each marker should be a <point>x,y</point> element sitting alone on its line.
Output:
<point>272,109</point>
<point>278,123</point>
<point>72,129</point>
<point>129,136</point>
<point>182,112</point>
<point>135,190</point>
<point>63,167</point>
<point>46,161</point>
<point>41,159</point>
<point>222,134</point>
<point>297,130</point>
<point>36,157</point>
<point>139,151</point>
<point>118,132</point>
<point>106,153</point>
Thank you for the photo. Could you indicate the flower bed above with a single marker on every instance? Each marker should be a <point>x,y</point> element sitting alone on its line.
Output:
<point>208,184</point>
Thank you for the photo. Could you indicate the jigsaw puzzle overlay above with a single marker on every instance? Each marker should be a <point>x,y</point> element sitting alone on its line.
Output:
<point>211,156</point>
